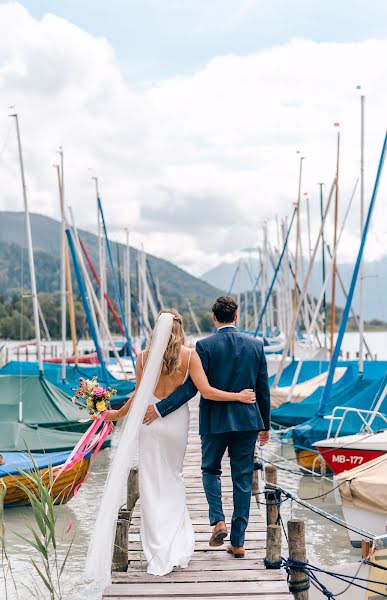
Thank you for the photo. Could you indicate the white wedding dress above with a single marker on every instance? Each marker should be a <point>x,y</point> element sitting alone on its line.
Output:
<point>166,530</point>
<point>167,535</point>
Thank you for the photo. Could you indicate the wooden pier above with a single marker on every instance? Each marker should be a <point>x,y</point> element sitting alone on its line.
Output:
<point>212,573</point>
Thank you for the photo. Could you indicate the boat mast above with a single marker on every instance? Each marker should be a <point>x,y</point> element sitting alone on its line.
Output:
<point>34,293</point>
<point>333,295</point>
<point>128,293</point>
<point>101,264</point>
<point>361,274</point>
<point>324,301</point>
<point>63,299</point>
<point>294,308</point>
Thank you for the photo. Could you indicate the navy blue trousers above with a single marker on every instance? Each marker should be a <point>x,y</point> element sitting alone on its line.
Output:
<point>240,446</point>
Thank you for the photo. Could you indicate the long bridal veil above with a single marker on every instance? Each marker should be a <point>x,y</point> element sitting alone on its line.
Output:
<point>101,544</point>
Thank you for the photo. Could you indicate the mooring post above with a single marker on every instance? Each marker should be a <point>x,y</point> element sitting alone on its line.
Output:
<point>299,580</point>
<point>120,554</point>
<point>133,493</point>
<point>257,468</point>
<point>273,547</point>
<point>272,496</point>
<point>271,474</point>
<point>365,548</point>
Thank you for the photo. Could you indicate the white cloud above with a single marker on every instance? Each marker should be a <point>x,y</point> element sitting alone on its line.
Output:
<point>191,164</point>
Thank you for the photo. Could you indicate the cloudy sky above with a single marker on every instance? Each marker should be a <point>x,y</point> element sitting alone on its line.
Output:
<point>191,113</point>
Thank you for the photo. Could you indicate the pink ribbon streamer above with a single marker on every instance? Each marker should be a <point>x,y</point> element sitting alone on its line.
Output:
<point>91,442</point>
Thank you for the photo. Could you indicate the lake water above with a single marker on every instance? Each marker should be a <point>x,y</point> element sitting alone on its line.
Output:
<point>322,535</point>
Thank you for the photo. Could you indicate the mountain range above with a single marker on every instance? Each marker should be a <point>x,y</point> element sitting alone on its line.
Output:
<point>176,285</point>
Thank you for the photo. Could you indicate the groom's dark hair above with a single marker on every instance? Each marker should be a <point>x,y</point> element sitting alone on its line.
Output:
<point>224,309</point>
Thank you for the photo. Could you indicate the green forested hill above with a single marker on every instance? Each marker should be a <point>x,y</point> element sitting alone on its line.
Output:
<point>176,285</point>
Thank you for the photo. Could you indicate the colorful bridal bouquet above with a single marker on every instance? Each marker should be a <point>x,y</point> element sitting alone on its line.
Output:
<point>97,397</point>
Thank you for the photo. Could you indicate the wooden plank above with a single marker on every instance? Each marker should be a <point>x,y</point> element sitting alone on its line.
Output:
<point>197,565</point>
<point>204,537</point>
<point>203,546</point>
<point>185,576</point>
<point>262,597</point>
<point>198,589</point>
<point>211,554</point>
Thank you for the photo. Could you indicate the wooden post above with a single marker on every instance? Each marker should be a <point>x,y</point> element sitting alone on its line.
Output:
<point>365,548</point>
<point>120,554</point>
<point>272,496</point>
<point>133,493</point>
<point>298,581</point>
<point>273,502</point>
<point>257,466</point>
<point>273,547</point>
<point>271,474</point>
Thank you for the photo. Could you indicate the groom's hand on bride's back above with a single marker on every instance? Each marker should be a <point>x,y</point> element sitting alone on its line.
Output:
<point>150,415</point>
<point>246,396</point>
<point>263,437</point>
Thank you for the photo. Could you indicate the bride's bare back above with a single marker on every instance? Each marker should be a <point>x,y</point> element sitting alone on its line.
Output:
<point>169,383</point>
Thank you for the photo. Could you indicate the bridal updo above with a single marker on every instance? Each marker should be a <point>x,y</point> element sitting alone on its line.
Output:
<point>171,360</point>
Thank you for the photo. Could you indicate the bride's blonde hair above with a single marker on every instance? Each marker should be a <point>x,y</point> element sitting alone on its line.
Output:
<point>171,359</point>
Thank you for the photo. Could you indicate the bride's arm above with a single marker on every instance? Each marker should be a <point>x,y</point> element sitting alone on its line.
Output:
<point>208,392</point>
<point>116,415</point>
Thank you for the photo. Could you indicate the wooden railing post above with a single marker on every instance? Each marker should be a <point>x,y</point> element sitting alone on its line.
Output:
<point>257,468</point>
<point>120,554</point>
<point>133,493</point>
<point>271,474</point>
<point>299,580</point>
<point>272,496</point>
<point>273,547</point>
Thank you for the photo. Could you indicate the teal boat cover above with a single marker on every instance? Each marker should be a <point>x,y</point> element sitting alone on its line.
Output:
<point>52,373</point>
<point>360,394</point>
<point>18,437</point>
<point>43,404</point>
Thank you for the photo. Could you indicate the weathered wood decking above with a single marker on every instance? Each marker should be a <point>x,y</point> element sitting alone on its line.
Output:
<point>212,573</point>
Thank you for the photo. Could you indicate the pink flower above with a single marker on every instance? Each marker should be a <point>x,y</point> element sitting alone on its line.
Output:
<point>98,392</point>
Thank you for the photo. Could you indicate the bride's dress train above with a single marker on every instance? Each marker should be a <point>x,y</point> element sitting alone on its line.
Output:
<point>167,534</point>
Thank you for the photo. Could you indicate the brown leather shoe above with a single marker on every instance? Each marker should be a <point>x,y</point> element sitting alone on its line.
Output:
<point>236,552</point>
<point>218,534</point>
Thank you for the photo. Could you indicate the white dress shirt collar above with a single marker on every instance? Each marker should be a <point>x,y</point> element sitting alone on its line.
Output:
<point>225,326</point>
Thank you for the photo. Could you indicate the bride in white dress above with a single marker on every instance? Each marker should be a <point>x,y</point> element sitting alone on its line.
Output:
<point>167,535</point>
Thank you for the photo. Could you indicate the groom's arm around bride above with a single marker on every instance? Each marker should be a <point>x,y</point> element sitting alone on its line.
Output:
<point>232,361</point>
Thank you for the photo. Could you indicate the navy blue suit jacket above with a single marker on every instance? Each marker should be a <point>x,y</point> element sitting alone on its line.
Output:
<point>232,361</point>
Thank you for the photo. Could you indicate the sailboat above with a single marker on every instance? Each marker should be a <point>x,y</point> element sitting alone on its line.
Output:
<point>30,410</point>
<point>364,389</point>
<point>11,463</point>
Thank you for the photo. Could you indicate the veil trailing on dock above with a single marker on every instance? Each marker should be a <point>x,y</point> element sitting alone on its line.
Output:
<point>102,540</point>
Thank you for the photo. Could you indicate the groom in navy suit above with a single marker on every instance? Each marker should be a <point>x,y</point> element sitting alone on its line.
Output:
<point>232,361</point>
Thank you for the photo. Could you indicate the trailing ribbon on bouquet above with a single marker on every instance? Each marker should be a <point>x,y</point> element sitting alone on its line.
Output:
<point>90,443</point>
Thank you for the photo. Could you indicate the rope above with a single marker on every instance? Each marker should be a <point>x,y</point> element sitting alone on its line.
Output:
<point>324,514</point>
<point>290,565</point>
